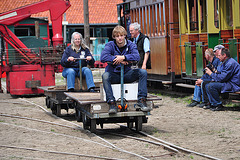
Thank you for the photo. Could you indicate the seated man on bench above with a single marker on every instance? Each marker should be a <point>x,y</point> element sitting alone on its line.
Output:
<point>226,80</point>
<point>77,49</point>
<point>121,51</point>
<point>198,93</point>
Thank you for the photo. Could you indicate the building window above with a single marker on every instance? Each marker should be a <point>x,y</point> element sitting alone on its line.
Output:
<point>216,14</point>
<point>24,31</point>
<point>229,16</point>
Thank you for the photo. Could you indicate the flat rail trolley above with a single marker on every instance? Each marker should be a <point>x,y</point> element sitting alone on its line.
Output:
<point>92,110</point>
<point>56,99</point>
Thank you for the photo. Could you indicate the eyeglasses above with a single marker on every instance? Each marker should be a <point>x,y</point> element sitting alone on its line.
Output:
<point>77,39</point>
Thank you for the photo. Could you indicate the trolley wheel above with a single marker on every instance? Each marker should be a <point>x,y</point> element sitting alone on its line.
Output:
<point>84,121</point>
<point>78,115</point>
<point>53,107</point>
<point>93,126</point>
<point>58,109</point>
<point>138,123</point>
<point>47,100</point>
<point>101,125</point>
<point>130,124</point>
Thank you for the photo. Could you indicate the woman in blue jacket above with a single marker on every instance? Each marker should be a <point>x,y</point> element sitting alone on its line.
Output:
<point>77,49</point>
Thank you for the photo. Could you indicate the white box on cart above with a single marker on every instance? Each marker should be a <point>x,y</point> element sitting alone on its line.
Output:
<point>130,91</point>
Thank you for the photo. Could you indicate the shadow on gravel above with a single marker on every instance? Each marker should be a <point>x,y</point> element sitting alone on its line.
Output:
<point>231,108</point>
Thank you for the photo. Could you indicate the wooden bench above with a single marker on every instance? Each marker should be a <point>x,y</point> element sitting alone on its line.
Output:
<point>234,100</point>
<point>77,84</point>
<point>185,85</point>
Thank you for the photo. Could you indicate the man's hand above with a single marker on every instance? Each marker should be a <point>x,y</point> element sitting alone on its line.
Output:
<point>144,66</point>
<point>208,71</point>
<point>124,62</point>
<point>198,82</point>
<point>70,59</point>
<point>89,58</point>
<point>118,59</point>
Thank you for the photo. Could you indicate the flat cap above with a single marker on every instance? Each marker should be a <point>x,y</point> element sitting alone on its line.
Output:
<point>218,47</point>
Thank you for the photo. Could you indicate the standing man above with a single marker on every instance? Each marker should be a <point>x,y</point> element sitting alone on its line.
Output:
<point>227,79</point>
<point>143,45</point>
<point>117,52</point>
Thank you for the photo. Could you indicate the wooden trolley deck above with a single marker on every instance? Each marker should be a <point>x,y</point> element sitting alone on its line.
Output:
<point>92,110</point>
<point>56,99</point>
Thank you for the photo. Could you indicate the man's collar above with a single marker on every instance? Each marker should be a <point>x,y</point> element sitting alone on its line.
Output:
<point>137,37</point>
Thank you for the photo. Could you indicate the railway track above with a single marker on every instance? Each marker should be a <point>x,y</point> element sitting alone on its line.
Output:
<point>113,139</point>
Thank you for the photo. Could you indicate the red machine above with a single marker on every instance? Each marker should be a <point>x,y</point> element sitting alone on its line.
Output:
<point>33,68</point>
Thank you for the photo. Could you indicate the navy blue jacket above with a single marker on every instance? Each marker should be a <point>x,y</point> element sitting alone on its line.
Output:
<point>71,53</point>
<point>111,50</point>
<point>229,74</point>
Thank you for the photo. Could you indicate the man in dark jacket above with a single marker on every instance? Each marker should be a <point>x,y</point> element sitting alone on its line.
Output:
<point>226,79</point>
<point>77,49</point>
<point>143,45</point>
<point>198,93</point>
<point>117,52</point>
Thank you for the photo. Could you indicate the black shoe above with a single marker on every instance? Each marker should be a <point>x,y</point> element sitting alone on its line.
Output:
<point>207,106</point>
<point>202,105</point>
<point>142,105</point>
<point>218,108</point>
<point>112,107</point>
<point>194,103</point>
<point>71,90</point>
<point>92,90</point>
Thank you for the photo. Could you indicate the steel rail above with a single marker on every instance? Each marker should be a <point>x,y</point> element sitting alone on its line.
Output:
<point>177,147</point>
<point>115,147</point>
<point>144,140</point>
<point>56,152</point>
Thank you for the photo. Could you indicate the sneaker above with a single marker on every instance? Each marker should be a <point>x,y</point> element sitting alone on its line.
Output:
<point>92,90</point>
<point>142,105</point>
<point>207,106</point>
<point>71,90</point>
<point>194,103</point>
<point>112,107</point>
<point>218,108</point>
<point>202,105</point>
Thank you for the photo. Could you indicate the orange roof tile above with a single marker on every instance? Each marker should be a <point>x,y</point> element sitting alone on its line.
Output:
<point>100,11</point>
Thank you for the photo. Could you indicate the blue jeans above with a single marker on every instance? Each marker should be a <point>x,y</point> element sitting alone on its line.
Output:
<point>213,90</point>
<point>71,73</point>
<point>129,77</point>
<point>198,94</point>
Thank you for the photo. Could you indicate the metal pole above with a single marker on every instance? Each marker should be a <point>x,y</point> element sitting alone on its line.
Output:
<point>80,72</point>
<point>86,22</point>
<point>65,30</point>
<point>122,84</point>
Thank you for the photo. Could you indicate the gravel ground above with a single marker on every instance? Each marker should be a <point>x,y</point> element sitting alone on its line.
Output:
<point>212,133</point>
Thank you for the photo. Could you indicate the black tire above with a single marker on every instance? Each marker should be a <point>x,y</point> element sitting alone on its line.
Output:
<point>130,125</point>
<point>93,126</point>
<point>47,101</point>
<point>53,107</point>
<point>138,123</point>
<point>84,121</point>
<point>78,115</point>
<point>58,109</point>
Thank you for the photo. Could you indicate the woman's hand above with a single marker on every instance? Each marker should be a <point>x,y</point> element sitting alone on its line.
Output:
<point>70,59</point>
<point>89,58</point>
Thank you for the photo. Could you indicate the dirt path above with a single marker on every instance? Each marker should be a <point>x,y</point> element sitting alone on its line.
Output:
<point>213,133</point>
